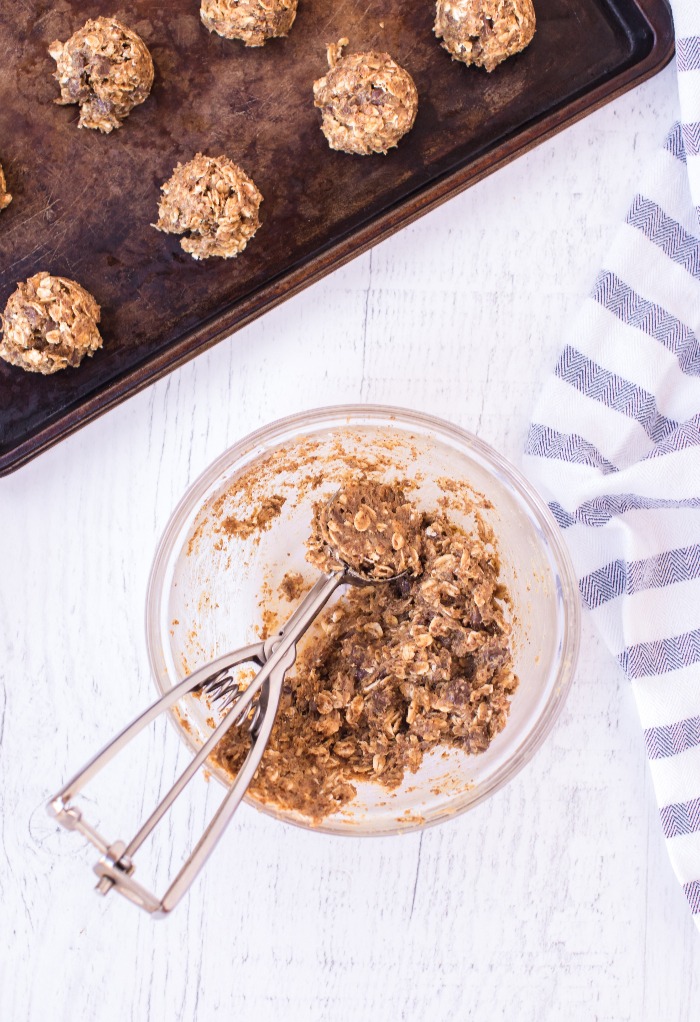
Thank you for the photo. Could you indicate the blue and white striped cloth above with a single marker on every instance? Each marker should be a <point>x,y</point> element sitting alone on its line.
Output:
<point>615,447</point>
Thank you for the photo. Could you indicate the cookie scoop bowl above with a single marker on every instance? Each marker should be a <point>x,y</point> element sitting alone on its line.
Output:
<point>242,526</point>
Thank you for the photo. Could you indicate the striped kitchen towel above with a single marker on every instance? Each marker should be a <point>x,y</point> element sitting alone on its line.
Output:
<point>615,447</point>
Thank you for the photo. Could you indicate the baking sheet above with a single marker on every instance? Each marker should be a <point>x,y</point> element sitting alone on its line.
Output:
<point>83,202</point>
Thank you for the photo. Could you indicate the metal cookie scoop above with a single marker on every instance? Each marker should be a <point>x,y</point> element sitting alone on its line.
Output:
<point>255,708</point>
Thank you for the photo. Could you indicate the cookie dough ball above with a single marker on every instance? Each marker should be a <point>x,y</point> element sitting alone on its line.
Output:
<point>5,197</point>
<point>106,69</point>
<point>484,32</point>
<point>253,21</point>
<point>49,323</point>
<point>213,202</point>
<point>368,102</point>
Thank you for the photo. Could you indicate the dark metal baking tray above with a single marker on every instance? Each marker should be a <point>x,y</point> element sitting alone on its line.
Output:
<point>83,202</point>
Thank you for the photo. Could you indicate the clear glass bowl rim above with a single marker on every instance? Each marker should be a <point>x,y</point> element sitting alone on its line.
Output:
<point>348,415</point>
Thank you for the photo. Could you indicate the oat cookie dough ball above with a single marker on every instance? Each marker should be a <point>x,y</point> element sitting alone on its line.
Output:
<point>484,32</point>
<point>252,21</point>
<point>5,197</point>
<point>213,202</point>
<point>368,102</point>
<point>106,69</point>
<point>49,323</point>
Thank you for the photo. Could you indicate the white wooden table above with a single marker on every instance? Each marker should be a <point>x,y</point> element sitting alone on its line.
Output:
<point>555,900</point>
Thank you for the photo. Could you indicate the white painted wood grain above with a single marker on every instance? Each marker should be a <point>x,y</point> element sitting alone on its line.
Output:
<point>553,901</point>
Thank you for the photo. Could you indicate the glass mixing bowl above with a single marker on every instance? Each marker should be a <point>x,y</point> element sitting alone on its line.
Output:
<point>210,592</point>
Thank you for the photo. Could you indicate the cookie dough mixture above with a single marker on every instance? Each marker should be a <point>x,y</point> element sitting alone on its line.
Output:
<point>106,69</point>
<point>252,21</point>
<point>484,32</point>
<point>5,197</point>
<point>395,669</point>
<point>49,323</point>
<point>214,203</point>
<point>367,101</point>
